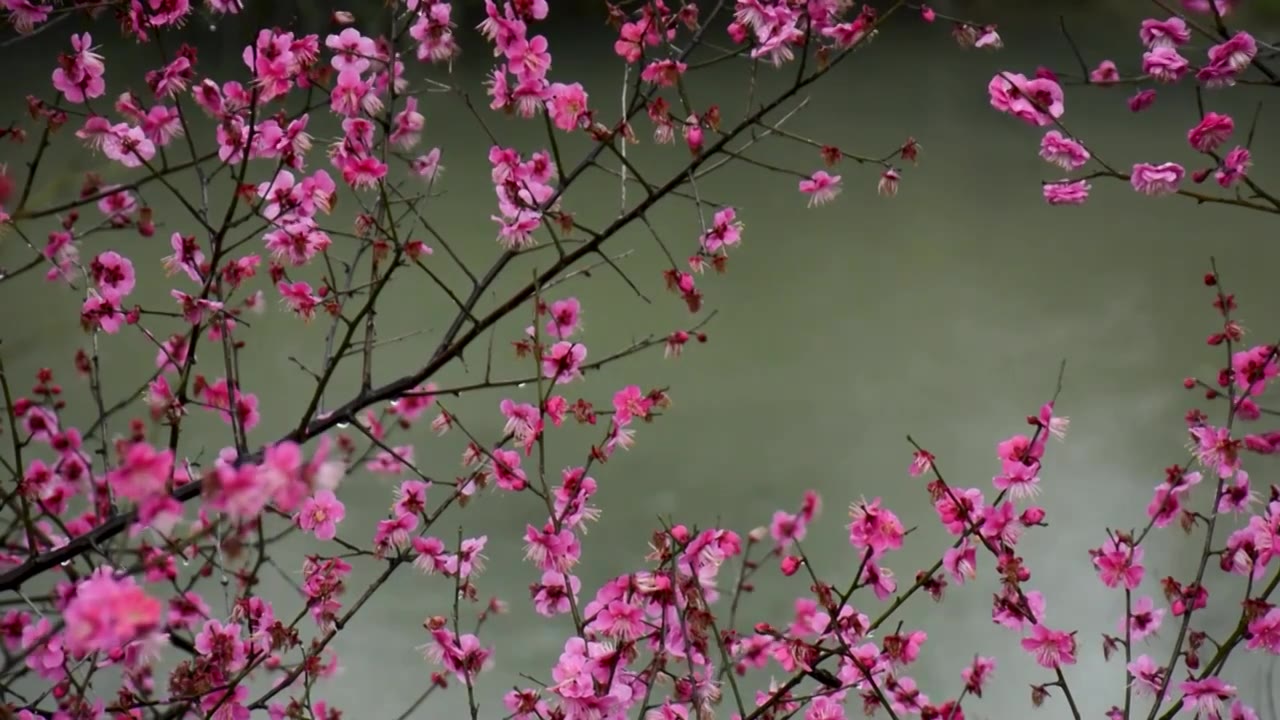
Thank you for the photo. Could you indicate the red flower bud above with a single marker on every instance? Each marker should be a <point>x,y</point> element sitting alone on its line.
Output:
<point>1032,516</point>
<point>680,533</point>
<point>790,564</point>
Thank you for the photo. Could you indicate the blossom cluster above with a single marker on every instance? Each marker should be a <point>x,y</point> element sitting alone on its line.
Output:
<point>1039,101</point>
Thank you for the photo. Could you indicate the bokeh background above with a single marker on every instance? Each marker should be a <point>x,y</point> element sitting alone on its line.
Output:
<point>943,312</point>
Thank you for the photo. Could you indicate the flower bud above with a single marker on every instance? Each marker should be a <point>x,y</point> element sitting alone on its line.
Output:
<point>6,185</point>
<point>831,155</point>
<point>910,150</point>
<point>1142,100</point>
<point>1038,695</point>
<point>790,564</point>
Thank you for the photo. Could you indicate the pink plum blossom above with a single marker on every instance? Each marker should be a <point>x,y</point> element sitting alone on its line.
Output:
<point>1037,101</point>
<point>1156,180</point>
<point>320,514</point>
<point>1063,151</point>
<point>821,188</point>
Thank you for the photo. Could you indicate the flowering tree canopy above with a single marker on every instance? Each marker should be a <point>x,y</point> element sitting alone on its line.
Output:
<point>114,534</point>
